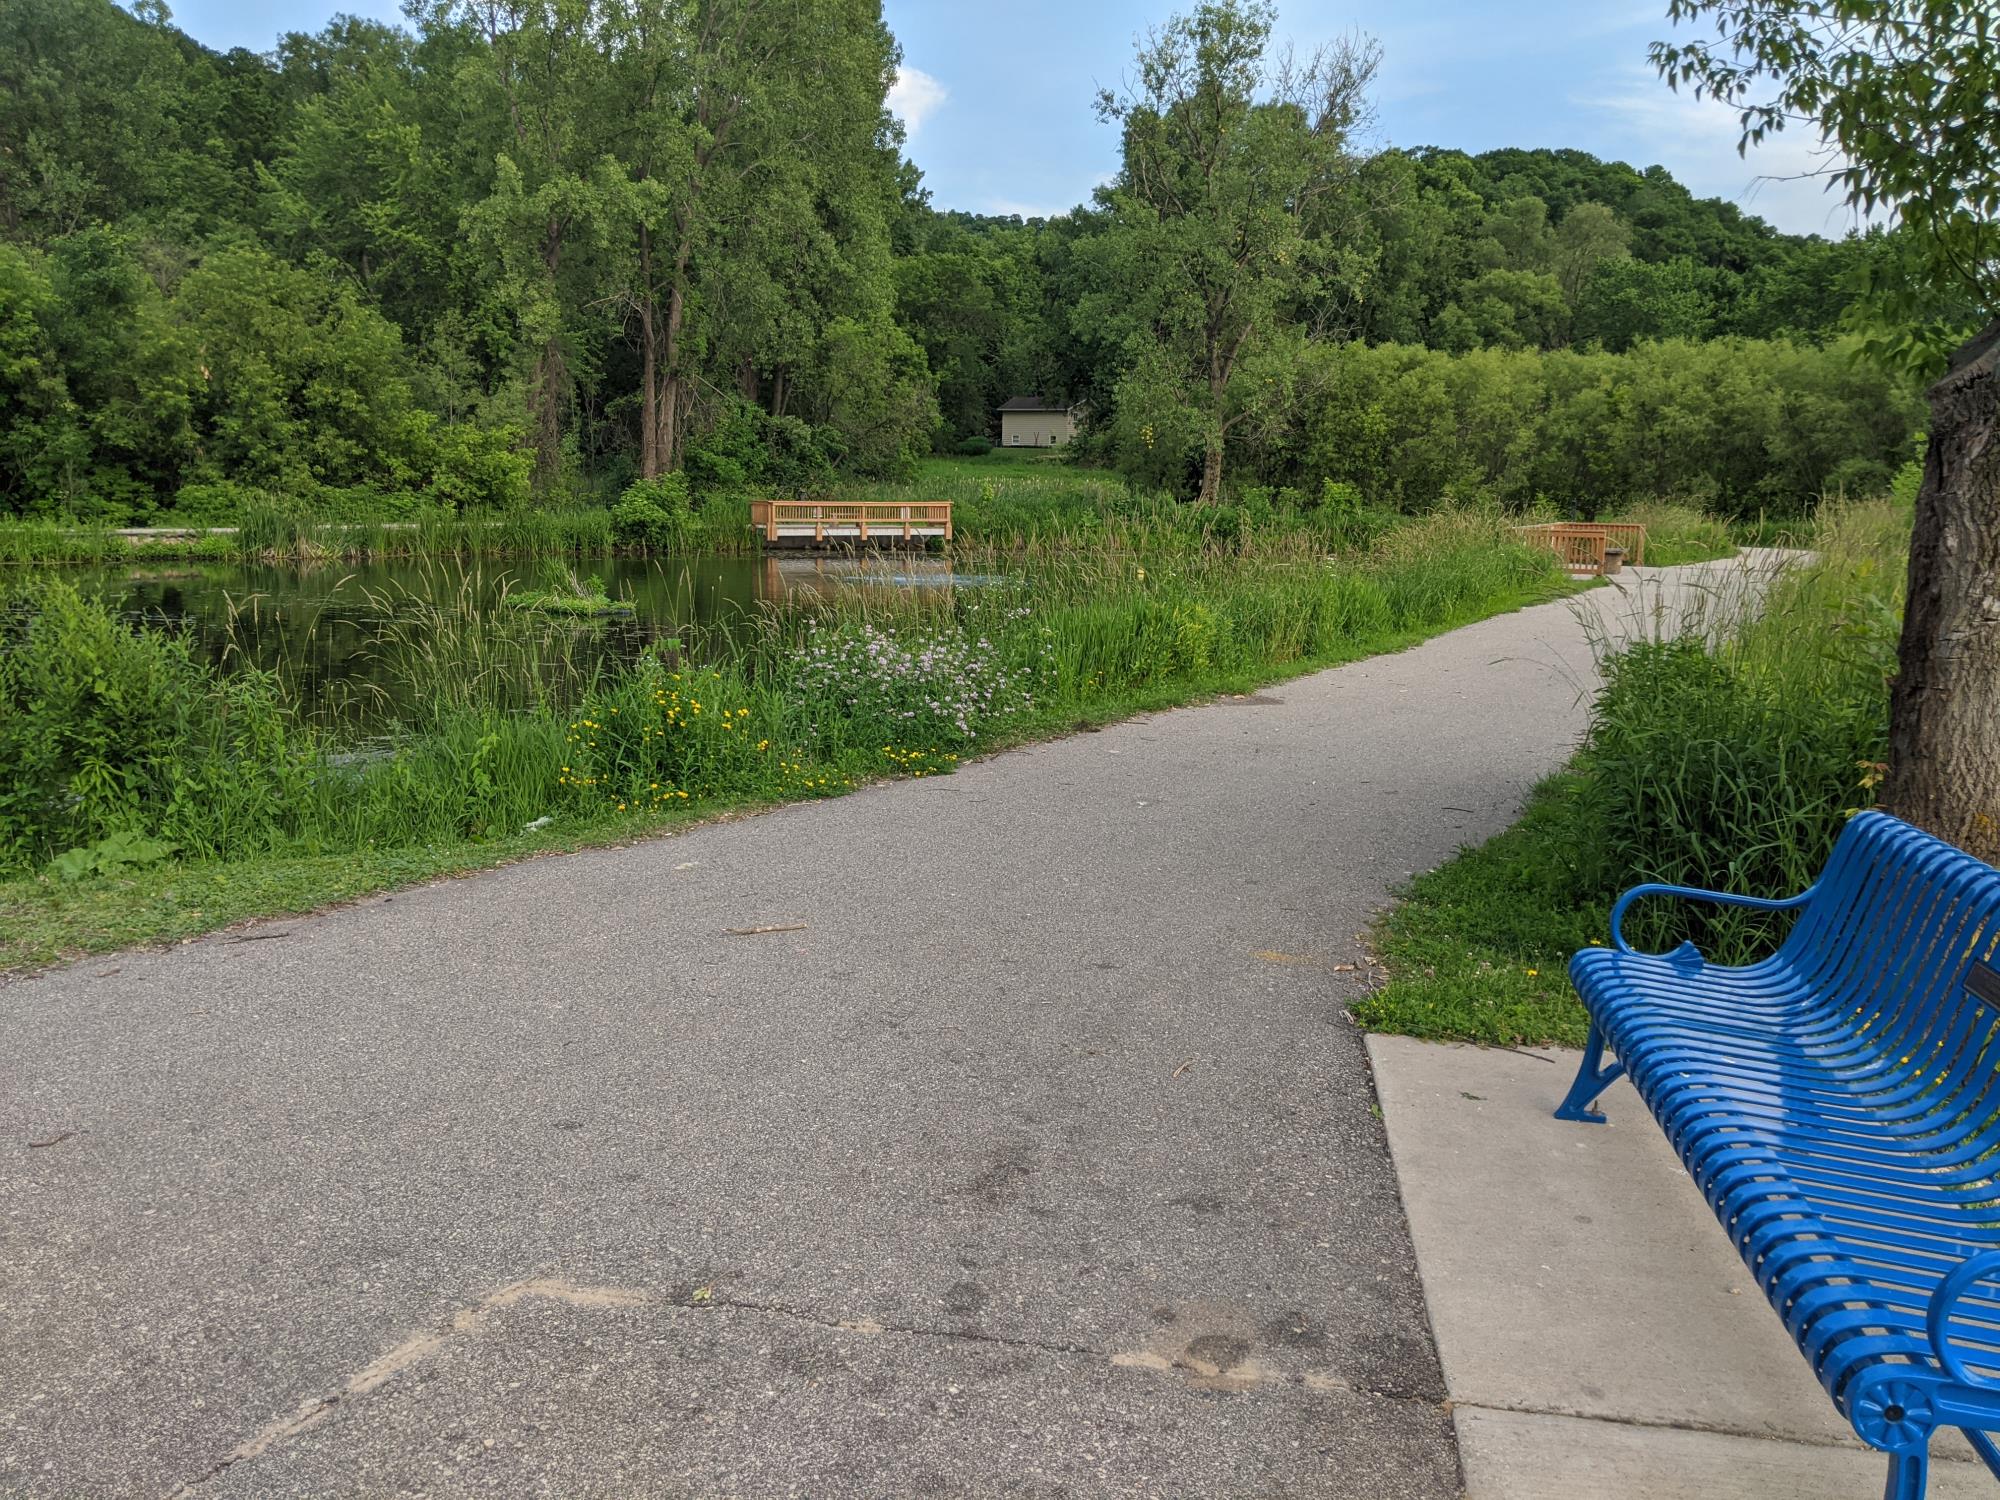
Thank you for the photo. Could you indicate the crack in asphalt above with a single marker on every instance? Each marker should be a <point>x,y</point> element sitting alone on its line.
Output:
<point>471,1320</point>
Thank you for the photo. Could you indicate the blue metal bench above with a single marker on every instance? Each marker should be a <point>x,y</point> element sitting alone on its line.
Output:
<point>1838,1104</point>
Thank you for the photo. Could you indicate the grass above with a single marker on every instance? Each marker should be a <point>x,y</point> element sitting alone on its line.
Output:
<point>1007,499</point>
<point>563,592</point>
<point>276,536</point>
<point>266,816</point>
<point>1679,534</point>
<point>1476,951</point>
<point>1725,752</point>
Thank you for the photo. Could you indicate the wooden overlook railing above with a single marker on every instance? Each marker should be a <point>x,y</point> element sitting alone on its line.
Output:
<point>1581,544</point>
<point>855,520</point>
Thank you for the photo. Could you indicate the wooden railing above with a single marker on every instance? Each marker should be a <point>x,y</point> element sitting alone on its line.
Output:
<point>860,520</point>
<point>1580,544</point>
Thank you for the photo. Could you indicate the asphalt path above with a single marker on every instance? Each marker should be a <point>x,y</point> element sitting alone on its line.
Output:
<point>1030,1151</point>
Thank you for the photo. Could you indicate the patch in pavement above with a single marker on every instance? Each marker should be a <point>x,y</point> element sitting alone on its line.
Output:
<point>408,1354</point>
<point>592,1391</point>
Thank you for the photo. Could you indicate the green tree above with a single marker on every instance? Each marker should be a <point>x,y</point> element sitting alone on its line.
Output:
<point>300,383</point>
<point>1228,153</point>
<point>44,452</point>
<point>1905,90</point>
<point>1589,236</point>
<point>1628,300</point>
<point>543,76</point>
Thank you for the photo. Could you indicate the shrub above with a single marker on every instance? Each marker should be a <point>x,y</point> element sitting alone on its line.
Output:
<point>1744,425</point>
<point>92,716</point>
<point>115,739</point>
<point>799,458</point>
<point>479,468</point>
<point>974,447</point>
<point>655,514</point>
<point>1903,488</point>
<point>749,448</point>
<point>1856,478</point>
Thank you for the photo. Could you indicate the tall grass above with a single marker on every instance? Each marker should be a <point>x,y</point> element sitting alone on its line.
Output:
<point>278,534</point>
<point>53,542</point>
<point>1678,534</point>
<point>505,717</point>
<point>1726,751</point>
<point>1729,754</point>
<point>1004,502</point>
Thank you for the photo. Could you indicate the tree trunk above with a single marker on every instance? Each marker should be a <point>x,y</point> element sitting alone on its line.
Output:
<point>670,384</point>
<point>1944,714</point>
<point>670,377</point>
<point>650,465</point>
<point>1219,366</point>
<point>549,382</point>
<point>545,397</point>
<point>1211,473</point>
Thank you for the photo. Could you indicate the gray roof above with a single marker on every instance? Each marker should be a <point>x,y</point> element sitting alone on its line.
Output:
<point>1032,403</point>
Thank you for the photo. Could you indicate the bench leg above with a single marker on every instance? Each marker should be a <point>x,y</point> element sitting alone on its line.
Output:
<point>1592,1079</point>
<point>1908,1474</point>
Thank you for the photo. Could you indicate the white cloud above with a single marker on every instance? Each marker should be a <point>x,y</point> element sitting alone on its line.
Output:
<point>1783,180</point>
<point>915,97</point>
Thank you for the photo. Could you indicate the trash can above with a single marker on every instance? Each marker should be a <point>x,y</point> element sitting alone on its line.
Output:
<point>1614,560</point>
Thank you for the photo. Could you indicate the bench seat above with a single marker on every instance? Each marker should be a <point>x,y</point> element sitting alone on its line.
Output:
<point>1838,1105</point>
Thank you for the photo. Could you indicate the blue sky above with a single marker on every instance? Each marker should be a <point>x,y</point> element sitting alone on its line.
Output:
<point>997,98</point>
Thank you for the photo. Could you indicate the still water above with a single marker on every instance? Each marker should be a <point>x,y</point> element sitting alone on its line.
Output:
<point>344,638</point>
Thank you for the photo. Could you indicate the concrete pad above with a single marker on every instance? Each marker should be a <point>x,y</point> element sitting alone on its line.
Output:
<point>1575,1268</point>
<point>1528,1456</point>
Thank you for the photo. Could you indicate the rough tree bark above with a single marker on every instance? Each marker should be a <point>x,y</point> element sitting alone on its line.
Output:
<point>549,383</point>
<point>649,364</point>
<point>1944,715</point>
<point>672,379</point>
<point>1211,473</point>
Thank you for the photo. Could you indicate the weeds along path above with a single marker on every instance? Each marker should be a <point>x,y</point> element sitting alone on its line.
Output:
<point>995,1134</point>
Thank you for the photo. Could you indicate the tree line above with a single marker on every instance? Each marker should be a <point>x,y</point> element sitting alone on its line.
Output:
<point>551,247</point>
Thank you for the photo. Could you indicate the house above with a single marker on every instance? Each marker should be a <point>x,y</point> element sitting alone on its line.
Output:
<point>1031,422</point>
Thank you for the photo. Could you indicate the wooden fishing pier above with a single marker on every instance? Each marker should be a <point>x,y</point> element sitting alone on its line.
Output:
<point>861,523</point>
<point>1582,544</point>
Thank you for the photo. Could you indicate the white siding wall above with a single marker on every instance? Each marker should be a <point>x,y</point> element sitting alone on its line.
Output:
<point>1035,429</point>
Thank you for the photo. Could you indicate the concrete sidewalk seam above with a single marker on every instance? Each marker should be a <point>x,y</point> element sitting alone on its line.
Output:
<point>1764,1436</point>
<point>1786,1440</point>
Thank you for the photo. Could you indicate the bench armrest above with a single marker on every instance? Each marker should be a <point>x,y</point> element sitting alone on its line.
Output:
<point>1944,1299</point>
<point>1690,893</point>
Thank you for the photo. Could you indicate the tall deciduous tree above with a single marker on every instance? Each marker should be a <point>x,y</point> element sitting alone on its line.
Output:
<point>544,59</point>
<point>1228,154</point>
<point>749,151</point>
<point>1905,91</point>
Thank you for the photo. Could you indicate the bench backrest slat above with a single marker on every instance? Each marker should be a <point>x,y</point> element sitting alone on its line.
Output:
<point>1899,920</point>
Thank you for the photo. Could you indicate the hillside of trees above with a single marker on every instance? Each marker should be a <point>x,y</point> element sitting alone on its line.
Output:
<point>539,251</point>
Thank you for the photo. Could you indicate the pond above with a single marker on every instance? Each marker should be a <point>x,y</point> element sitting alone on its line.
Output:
<point>358,644</point>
